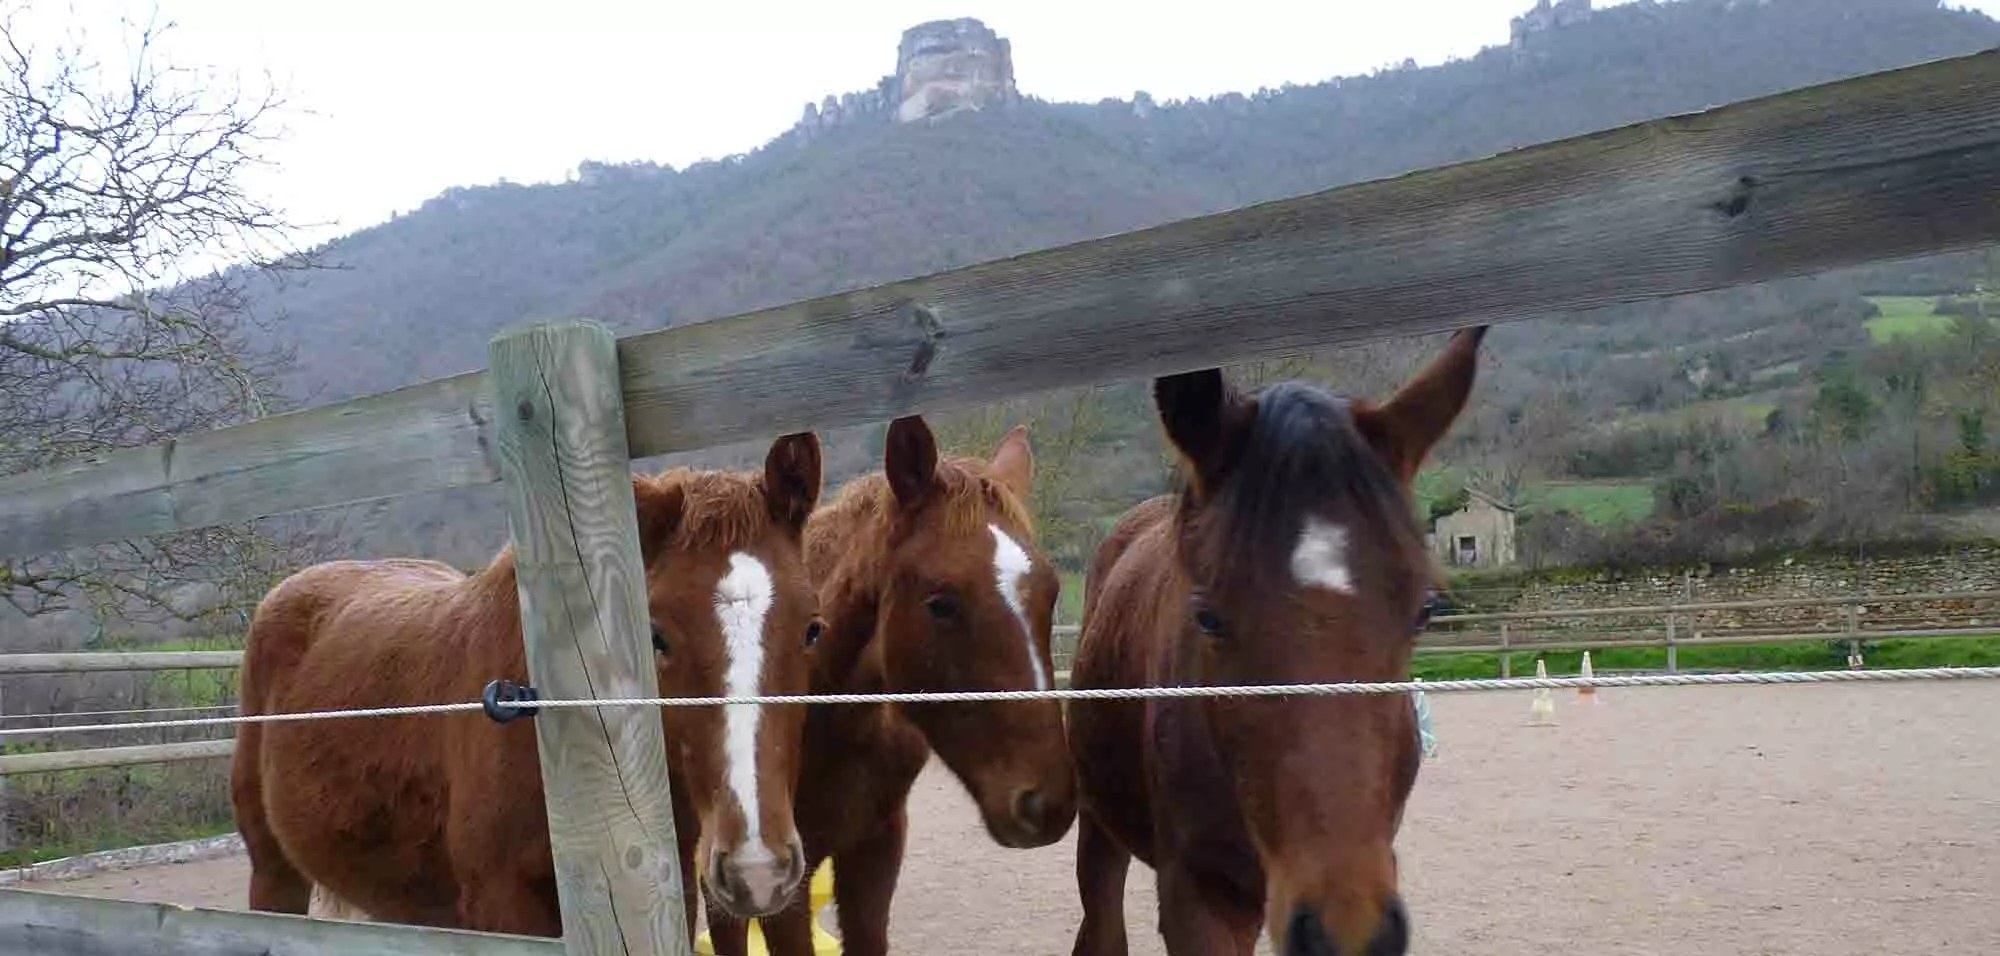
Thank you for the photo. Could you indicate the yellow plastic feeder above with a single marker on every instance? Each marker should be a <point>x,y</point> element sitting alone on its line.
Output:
<point>819,893</point>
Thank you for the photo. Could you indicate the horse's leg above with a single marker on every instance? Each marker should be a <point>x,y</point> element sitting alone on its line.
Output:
<point>790,932</point>
<point>276,886</point>
<point>864,882</point>
<point>1194,923</point>
<point>729,935</point>
<point>1101,866</point>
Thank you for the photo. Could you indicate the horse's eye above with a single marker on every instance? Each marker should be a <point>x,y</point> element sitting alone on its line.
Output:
<point>1206,618</point>
<point>813,631</point>
<point>941,606</point>
<point>659,640</point>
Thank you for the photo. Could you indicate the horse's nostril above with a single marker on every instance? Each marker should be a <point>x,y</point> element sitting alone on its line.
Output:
<point>1029,807</point>
<point>718,871</point>
<point>1392,938</point>
<point>1305,934</point>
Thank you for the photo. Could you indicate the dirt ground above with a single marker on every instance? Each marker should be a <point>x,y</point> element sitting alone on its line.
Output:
<point>1820,820</point>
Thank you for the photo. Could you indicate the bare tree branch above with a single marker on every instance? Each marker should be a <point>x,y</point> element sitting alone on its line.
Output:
<point>130,247</point>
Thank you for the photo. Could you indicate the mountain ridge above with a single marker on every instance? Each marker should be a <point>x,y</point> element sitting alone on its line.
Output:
<point>643,246</point>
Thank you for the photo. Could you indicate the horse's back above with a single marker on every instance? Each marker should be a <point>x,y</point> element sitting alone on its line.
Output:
<point>367,605</point>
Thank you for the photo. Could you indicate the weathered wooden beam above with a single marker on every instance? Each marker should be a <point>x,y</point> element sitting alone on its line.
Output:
<point>414,439</point>
<point>56,924</point>
<point>570,507</point>
<point>1888,165</point>
<point>92,662</point>
<point>94,757</point>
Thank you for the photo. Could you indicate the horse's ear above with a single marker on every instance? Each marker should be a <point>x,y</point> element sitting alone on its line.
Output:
<point>1204,418</point>
<point>910,460</point>
<point>659,507</point>
<point>1014,462</point>
<point>1404,428</point>
<point>792,478</point>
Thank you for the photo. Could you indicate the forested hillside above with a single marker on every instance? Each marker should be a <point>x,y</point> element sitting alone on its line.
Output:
<point>1784,414</point>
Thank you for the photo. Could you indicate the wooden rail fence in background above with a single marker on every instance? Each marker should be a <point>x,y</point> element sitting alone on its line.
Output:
<point>1677,629</point>
<point>1887,165</point>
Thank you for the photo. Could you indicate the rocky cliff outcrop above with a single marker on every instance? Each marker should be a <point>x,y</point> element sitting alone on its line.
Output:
<point>949,66</point>
<point>942,67</point>
<point>1546,17</point>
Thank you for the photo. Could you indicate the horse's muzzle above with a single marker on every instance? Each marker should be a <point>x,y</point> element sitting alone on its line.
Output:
<point>1306,935</point>
<point>756,882</point>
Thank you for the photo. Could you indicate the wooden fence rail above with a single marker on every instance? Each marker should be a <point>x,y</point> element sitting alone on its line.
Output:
<point>1893,164</point>
<point>90,662</point>
<point>97,757</point>
<point>55,924</point>
<point>1504,642</point>
<point>1435,640</point>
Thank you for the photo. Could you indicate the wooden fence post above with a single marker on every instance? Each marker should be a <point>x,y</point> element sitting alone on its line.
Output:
<point>1506,653</point>
<point>561,440</point>
<point>1851,620</point>
<point>1673,647</point>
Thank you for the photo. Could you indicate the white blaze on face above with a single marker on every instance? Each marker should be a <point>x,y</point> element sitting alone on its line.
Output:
<point>1011,565</point>
<point>742,599</point>
<point>1320,558</point>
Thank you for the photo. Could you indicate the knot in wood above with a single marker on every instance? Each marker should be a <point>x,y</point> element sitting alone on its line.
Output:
<point>930,333</point>
<point>1738,201</point>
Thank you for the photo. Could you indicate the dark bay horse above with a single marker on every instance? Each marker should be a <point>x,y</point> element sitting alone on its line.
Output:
<point>1293,555</point>
<point>931,580</point>
<point>439,820</point>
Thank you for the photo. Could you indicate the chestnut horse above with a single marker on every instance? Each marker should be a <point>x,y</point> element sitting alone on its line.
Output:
<point>439,820</point>
<point>1292,556</point>
<point>931,580</point>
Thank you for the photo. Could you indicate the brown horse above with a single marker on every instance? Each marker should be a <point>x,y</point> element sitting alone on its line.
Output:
<point>1293,556</point>
<point>931,581</point>
<point>439,820</point>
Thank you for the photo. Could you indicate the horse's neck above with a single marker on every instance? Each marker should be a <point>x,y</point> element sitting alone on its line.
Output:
<point>837,559</point>
<point>1155,608</point>
<point>493,594</point>
<point>845,657</point>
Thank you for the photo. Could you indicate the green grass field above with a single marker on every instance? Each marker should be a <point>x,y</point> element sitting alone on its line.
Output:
<point>1601,503</point>
<point>1906,315</point>
<point>1976,651</point>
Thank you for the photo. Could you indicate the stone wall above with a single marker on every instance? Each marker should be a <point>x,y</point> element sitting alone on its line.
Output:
<point>1965,568</point>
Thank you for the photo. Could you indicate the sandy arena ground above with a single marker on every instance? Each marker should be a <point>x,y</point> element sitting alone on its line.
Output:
<point>1821,820</point>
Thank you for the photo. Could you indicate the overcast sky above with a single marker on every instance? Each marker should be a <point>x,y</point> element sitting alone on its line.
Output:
<point>413,96</point>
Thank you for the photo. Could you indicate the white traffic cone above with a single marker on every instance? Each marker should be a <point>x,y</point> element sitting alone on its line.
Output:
<point>1426,737</point>
<point>1587,692</point>
<point>1543,711</point>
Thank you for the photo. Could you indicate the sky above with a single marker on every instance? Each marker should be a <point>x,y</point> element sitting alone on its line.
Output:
<point>393,101</point>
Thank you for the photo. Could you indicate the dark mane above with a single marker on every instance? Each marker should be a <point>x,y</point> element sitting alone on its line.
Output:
<point>1301,457</point>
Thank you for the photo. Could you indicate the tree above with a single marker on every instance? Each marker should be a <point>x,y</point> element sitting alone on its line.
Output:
<point>1060,426</point>
<point>121,192</point>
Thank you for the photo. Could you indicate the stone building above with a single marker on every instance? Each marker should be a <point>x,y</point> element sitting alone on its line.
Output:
<point>1478,535</point>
